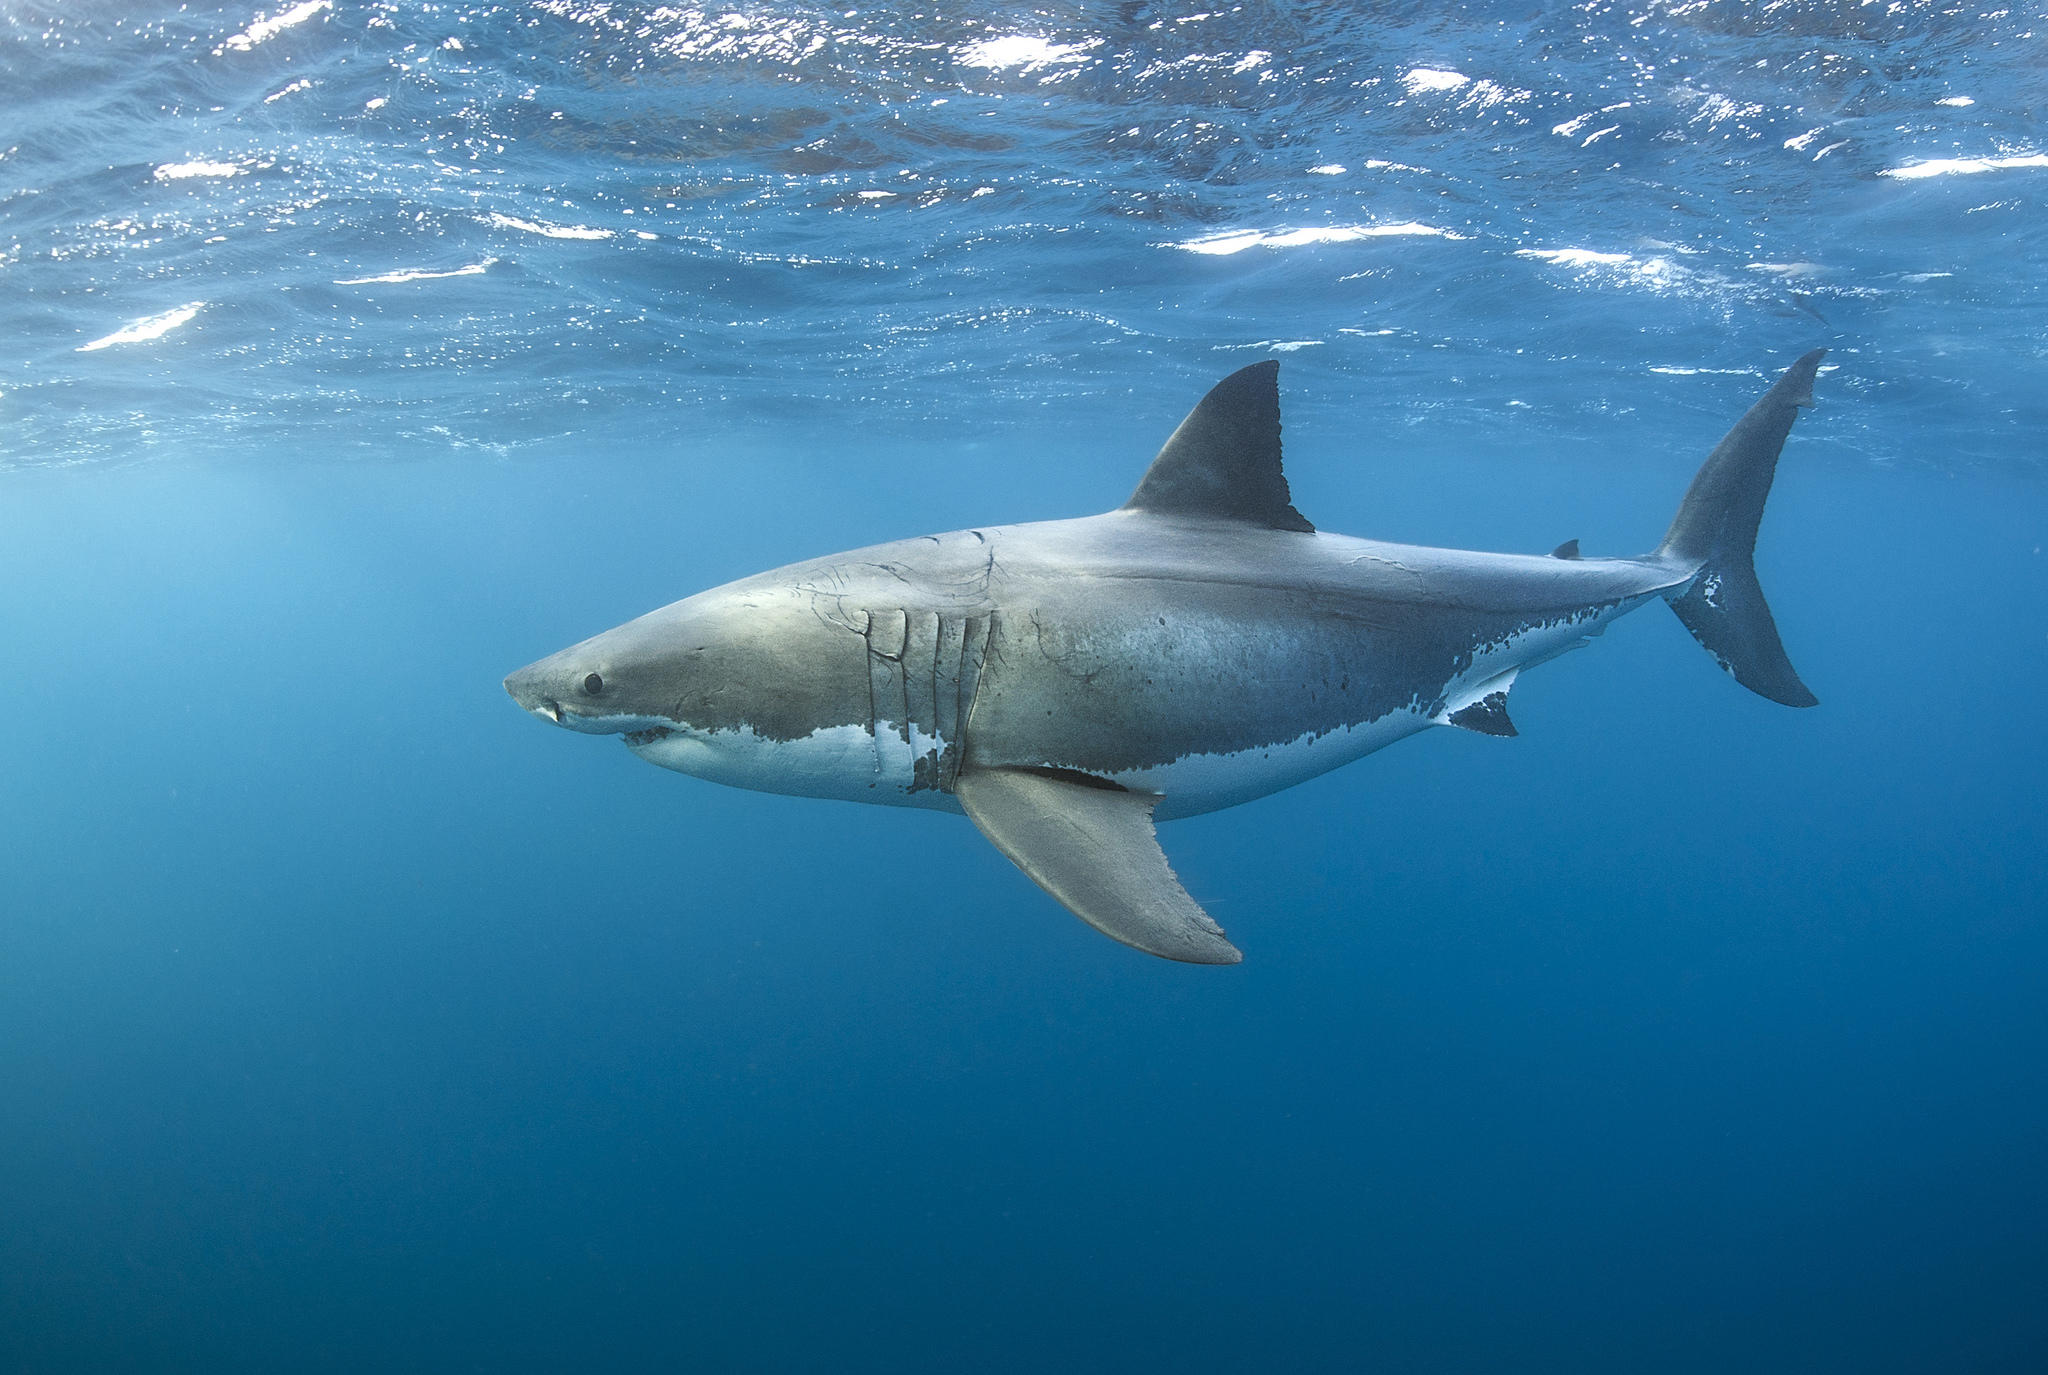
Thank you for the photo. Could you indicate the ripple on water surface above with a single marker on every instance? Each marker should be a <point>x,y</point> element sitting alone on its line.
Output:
<point>505,225</point>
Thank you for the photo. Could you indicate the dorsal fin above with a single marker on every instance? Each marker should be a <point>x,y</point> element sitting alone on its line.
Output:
<point>1224,460</point>
<point>1568,550</point>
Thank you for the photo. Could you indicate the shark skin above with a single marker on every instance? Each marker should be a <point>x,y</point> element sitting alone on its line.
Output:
<point>1069,683</point>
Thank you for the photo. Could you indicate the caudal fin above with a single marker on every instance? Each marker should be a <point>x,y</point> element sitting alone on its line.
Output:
<point>1715,533</point>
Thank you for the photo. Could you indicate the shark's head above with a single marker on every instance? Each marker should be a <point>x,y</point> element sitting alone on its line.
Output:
<point>622,681</point>
<point>709,684</point>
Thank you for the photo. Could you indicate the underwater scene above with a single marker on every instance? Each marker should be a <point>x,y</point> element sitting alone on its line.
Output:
<point>1676,1000</point>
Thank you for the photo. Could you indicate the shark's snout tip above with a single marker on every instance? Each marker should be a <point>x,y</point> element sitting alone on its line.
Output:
<point>520,687</point>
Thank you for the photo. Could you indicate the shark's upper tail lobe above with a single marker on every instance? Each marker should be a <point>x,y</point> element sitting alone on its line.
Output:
<point>1714,534</point>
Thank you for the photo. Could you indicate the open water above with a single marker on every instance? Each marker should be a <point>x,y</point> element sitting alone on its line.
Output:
<point>354,354</point>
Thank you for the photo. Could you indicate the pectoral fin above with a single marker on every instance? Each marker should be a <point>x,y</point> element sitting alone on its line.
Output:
<point>1482,710</point>
<point>1092,846</point>
<point>1487,716</point>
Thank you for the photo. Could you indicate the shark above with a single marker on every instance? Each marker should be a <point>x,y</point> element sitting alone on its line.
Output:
<point>1069,684</point>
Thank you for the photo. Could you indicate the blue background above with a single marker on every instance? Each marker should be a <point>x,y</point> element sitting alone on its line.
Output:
<point>349,1019</point>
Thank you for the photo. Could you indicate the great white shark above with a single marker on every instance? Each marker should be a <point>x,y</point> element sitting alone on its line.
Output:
<point>1068,683</point>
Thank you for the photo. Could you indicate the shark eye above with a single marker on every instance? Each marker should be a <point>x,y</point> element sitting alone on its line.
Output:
<point>593,684</point>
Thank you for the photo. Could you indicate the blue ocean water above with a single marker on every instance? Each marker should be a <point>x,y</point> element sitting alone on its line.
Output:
<point>352,355</point>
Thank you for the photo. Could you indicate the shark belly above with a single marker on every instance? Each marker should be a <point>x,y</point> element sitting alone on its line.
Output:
<point>839,763</point>
<point>1209,782</point>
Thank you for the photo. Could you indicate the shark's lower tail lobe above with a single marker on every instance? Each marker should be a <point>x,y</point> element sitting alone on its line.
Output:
<point>1714,533</point>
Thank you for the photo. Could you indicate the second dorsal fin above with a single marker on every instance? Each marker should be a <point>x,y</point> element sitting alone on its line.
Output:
<point>1224,460</point>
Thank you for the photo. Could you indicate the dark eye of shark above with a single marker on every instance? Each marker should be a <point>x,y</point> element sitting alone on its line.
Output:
<point>592,684</point>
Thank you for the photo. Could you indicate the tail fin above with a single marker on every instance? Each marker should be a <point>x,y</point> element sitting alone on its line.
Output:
<point>1715,532</point>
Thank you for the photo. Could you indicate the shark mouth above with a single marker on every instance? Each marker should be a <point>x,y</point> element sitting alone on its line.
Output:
<point>636,739</point>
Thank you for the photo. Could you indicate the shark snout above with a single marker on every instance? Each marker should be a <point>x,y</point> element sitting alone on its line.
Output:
<point>571,694</point>
<point>527,689</point>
